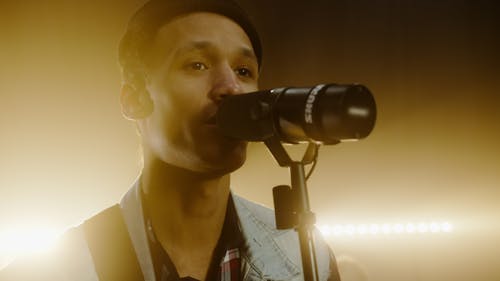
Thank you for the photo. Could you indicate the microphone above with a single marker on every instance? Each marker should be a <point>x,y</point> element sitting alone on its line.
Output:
<point>326,113</point>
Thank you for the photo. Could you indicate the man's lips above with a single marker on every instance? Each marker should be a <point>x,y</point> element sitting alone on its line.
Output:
<point>211,124</point>
<point>211,121</point>
<point>209,114</point>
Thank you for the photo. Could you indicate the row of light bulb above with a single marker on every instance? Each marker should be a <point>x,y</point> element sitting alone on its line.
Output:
<point>385,229</point>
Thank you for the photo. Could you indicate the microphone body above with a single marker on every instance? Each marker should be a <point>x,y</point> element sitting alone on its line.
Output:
<point>327,113</point>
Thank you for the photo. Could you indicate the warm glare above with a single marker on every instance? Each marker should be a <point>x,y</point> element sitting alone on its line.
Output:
<point>26,240</point>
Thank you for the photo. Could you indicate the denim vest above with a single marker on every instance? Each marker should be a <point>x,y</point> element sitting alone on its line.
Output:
<point>275,254</point>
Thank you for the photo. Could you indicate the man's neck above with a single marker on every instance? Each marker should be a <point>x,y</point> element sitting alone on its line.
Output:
<point>187,211</point>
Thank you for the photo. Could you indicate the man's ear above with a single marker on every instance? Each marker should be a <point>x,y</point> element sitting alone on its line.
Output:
<point>136,104</point>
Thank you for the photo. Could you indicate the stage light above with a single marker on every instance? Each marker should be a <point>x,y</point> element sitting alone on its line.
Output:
<point>410,228</point>
<point>326,230</point>
<point>398,228</point>
<point>350,229</point>
<point>434,227</point>
<point>337,230</point>
<point>25,241</point>
<point>362,229</point>
<point>422,227</point>
<point>446,227</point>
<point>385,229</point>
<point>374,229</point>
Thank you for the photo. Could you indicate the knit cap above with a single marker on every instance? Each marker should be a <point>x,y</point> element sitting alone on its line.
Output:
<point>145,23</point>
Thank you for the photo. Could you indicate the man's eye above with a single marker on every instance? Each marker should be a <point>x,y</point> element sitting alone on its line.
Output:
<point>243,71</point>
<point>198,66</point>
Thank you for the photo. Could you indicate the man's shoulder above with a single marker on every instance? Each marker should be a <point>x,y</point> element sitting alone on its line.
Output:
<point>258,223</point>
<point>263,214</point>
<point>264,217</point>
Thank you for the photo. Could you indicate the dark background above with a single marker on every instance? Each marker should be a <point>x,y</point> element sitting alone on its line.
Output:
<point>433,67</point>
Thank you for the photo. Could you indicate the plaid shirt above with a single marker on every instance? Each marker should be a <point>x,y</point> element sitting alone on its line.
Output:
<point>226,261</point>
<point>230,266</point>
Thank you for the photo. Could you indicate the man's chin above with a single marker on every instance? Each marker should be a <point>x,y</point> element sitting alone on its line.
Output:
<point>224,159</point>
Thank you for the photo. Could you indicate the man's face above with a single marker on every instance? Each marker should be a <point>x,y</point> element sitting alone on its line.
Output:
<point>195,61</point>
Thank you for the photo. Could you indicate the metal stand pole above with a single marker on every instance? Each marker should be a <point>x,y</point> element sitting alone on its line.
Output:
<point>306,220</point>
<point>292,205</point>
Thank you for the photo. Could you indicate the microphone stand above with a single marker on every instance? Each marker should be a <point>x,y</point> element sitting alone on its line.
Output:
<point>292,207</point>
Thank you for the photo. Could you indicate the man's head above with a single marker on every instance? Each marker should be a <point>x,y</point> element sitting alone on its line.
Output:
<point>179,59</point>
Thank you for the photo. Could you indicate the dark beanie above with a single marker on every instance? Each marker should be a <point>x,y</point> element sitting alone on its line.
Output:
<point>145,23</point>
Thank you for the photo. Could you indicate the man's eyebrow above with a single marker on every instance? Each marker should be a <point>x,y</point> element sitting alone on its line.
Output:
<point>248,53</point>
<point>196,46</point>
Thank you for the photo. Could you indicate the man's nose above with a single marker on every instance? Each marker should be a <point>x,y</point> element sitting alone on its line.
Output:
<point>225,83</point>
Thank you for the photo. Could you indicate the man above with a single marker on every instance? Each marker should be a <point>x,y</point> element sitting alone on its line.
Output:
<point>180,58</point>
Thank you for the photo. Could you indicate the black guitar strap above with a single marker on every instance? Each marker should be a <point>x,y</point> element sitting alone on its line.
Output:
<point>111,248</point>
